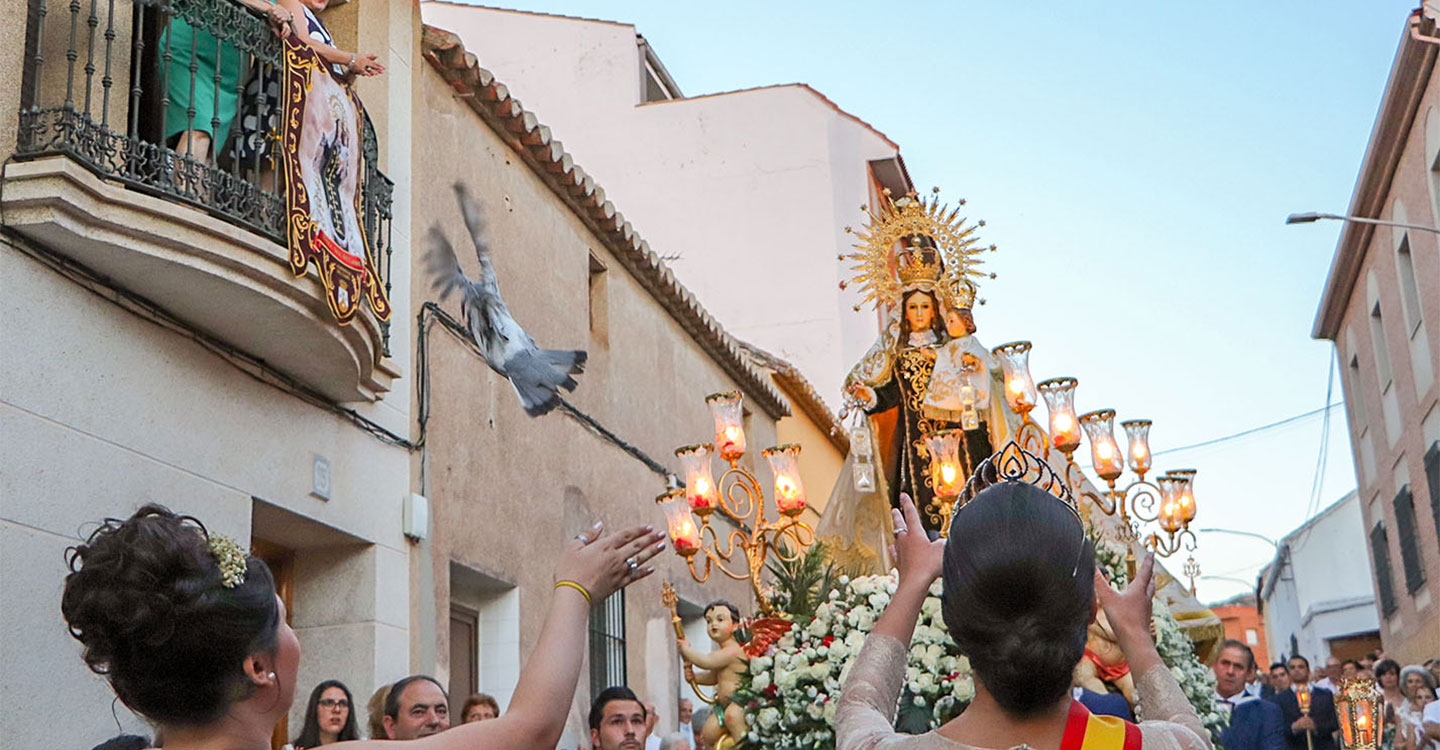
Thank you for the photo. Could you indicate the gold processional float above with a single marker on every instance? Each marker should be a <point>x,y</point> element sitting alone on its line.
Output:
<point>915,244</point>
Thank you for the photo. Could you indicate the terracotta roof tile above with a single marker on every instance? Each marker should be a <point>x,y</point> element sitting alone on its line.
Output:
<point>534,143</point>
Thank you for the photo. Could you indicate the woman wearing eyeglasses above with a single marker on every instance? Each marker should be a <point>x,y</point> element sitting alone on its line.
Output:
<point>328,717</point>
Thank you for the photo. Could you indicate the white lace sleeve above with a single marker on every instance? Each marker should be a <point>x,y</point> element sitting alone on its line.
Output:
<point>1171,722</point>
<point>866,714</point>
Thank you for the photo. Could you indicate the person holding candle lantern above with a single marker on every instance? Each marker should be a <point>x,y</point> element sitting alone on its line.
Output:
<point>1309,710</point>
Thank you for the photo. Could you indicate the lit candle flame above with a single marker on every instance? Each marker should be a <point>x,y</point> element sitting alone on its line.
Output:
<point>1017,387</point>
<point>1139,451</point>
<point>702,486</point>
<point>948,472</point>
<point>785,486</point>
<point>1105,451</point>
<point>1063,422</point>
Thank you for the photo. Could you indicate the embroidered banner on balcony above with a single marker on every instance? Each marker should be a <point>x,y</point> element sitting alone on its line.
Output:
<point>320,158</point>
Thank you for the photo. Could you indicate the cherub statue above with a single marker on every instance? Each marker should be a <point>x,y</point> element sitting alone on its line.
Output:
<point>722,668</point>
<point>1104,662</point>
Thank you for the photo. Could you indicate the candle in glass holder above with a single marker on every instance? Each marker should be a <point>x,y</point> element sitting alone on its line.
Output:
<point>1170,516</point>
<point>1019,387</point>
<point>700,489</point>
<point>729,424</point>
<point>945,473</point>
<point>1104,451</point>
<point>1186,497</point>
<point>1059,394</point>
<point>785,465</point>
<point>684,533</point>
<point>1137,438</point>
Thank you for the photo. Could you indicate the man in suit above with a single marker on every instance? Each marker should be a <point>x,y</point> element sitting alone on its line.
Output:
<point>1255,724</point>
<point>1322,724</point>
<point>1255,685</point>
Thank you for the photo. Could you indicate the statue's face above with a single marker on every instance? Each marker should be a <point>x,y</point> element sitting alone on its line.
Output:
<point>919,311</point>
<point>959,323</point>
<point>718,623</point>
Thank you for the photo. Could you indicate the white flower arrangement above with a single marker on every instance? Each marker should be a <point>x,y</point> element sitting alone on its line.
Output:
<point>790,692</point>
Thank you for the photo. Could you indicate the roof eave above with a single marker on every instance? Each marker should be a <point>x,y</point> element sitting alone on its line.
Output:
<point>1409,75</point>
<point>532,142</point>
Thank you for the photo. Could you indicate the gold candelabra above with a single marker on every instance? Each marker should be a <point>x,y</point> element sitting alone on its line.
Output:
<point>737,496</point>
<point>1168,501</point>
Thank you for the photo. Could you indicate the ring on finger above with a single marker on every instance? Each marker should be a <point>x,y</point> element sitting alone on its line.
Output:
<point>901,530</point>
<point>583,539</point>
<point>631,565</point>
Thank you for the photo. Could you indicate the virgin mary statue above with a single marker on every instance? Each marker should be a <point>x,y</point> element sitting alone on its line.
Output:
<point>915,265</point>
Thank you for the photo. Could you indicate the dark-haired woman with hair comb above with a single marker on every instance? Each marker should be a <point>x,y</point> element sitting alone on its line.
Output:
<point>1020,588</point>
<point>188,630</point>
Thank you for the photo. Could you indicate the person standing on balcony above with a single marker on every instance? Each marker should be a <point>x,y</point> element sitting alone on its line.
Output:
<point>260,121</point>
<point>199,110</point>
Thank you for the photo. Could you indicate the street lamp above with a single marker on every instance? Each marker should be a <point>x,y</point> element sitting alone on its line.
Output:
<point>1311,217</point>
<point>1238,532</point>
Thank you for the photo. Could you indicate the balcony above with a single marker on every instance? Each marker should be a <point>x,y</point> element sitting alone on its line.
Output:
<point>101,175</point>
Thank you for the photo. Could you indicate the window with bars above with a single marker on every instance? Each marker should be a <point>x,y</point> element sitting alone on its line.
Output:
<point>607,643</point>
<point>1432,482</point>
<point>1380,550</point>
<point>1409,542</point>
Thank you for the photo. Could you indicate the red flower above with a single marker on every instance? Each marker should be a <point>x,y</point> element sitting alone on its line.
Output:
<point>770,691</point>
<point>827,640</point>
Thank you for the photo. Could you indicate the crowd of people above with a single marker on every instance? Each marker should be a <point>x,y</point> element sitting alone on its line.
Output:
<point>1285,709</point>
<point>190,633</point>
<point>418,706</point>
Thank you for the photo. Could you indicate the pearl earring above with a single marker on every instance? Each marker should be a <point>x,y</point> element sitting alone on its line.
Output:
<point>271,676</point>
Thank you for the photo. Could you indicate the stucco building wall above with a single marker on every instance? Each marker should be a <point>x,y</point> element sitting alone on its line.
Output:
<point>507,490</point>
<point>752,189</point>
<point>102,410</point>
<point>1318,592</point>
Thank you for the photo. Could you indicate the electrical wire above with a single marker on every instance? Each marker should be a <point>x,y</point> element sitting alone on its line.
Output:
<point>257,369</point>
<point>1253,430</point>
<point>146,309</point>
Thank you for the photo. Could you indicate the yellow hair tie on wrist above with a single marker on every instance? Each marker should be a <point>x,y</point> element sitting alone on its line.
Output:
<point>577,587</point>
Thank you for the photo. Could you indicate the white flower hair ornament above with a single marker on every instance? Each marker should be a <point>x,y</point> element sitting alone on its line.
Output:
<point>231,559</point>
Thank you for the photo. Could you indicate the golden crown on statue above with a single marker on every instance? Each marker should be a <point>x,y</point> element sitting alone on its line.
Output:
<point>940,252</point>
<point>919,265</point>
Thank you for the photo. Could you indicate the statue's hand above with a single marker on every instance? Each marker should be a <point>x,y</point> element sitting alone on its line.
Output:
<point>862,393</point>
<point>682,644</point>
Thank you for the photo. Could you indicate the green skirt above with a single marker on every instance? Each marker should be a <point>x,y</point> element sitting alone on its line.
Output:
<point>198,105</point>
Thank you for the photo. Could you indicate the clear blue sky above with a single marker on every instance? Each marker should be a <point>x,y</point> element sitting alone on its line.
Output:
<point>1135,162</point>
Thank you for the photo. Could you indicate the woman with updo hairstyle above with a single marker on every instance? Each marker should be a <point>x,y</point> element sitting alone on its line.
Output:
<point>189,632</point>
<point>1020,589</point>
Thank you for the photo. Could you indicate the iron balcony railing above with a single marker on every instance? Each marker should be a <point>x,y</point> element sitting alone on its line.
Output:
<point>108,83</point>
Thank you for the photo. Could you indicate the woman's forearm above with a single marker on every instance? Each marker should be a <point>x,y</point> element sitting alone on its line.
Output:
<point>547,683</point>
<point>898,620</point>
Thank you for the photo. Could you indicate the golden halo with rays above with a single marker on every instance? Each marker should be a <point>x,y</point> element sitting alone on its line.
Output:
<point>956,241</point>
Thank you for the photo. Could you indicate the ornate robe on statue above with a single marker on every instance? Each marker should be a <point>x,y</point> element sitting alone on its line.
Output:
<point>902,452</point>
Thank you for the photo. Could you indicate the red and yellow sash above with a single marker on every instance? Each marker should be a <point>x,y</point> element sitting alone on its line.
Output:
<point>1086,731</point>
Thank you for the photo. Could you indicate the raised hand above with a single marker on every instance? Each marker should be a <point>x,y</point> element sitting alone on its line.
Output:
<point>918,559</point>
<point>605,564</point>
<point>1129,612</point>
